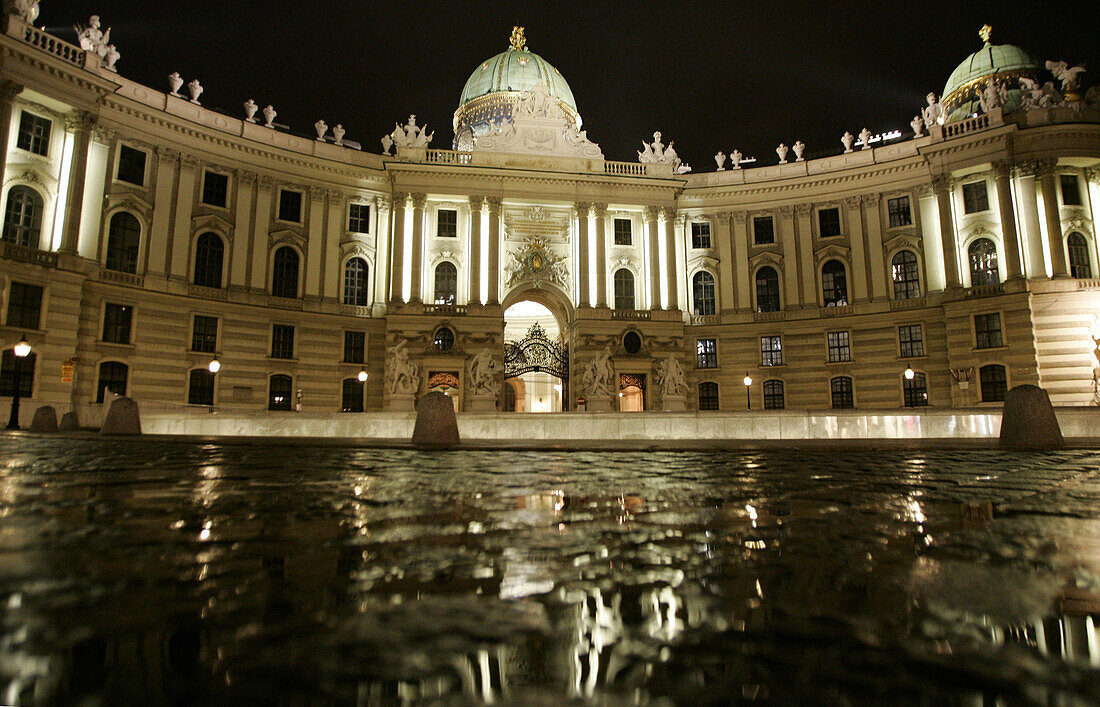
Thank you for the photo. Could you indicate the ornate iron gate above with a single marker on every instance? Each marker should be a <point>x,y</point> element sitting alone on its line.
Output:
<point>536,352</point>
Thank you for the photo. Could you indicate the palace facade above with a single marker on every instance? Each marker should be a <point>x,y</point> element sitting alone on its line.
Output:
<point>145,235</point>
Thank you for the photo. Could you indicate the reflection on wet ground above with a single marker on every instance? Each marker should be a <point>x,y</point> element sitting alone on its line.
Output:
<point>151,572</point>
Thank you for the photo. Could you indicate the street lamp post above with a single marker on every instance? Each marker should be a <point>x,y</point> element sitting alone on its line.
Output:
<point>22,350</point>
<point>748,398</point>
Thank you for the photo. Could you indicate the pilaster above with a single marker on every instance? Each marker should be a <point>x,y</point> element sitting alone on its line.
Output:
<point>724,235</point>
<point>80,124</point>
<point>583,291</point>
<point>476,203</point>
<point>859,248</point>
<point>601,254</point>
<point>943,185</point>
<point>494,250</point>
<point>671,272</point>
<point>740,235</point>
<point>397,248</point>
<point>180,237</point>
<point>651,213</point>
<point>417,254</point>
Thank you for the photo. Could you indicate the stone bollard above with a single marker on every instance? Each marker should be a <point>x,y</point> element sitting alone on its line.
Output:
<point>436,425</point>
<point>122,418</point>
<point>69,422</point>
<point>1028,420</point>
<point>45,420</point>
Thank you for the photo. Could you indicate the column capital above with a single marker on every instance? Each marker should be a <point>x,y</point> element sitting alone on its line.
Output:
<point>852,202</point>
<point>167,153</point>
<point>400,199</point>
<point>1092,175</point>
<point>1045,167</point>
<point>267,181</point>
<point>722,217</point>
<point>740,217</point>
<point>317,193</point>
<point>383,203</point>
<point>1003,169</point>
<point>246,177</point>
<point>493,202</point>
<point>599,210</point>
<point>9,90</point>
<point>476,203</point>
<point>418,199</point>
<point>583,208</point>
<point>786,211</point>
<point>188,161</point>
<point>651,213</point>
<point>802,210</point>
<point>872,199</point>
<point>667,213</point>
<point>925,189</point>
<point>80,121</point>
<point>942,183</point>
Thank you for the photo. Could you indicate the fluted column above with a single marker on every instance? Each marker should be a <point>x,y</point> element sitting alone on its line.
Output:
<point>417,256</point>
<point>397,247</point>
<point>80,124</point>
<point>475,248</point>
<point>1049,188</point>
<point>651,213</point>
<point>494,250</point>
<point>583,292</point>
<point>942,185</point>
<point>601,254</point>
<point>1009,235</point>
<point>8,91</point>
<point>670,260</point>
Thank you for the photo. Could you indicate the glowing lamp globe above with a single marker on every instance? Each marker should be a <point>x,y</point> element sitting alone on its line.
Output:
<point>22,349</point>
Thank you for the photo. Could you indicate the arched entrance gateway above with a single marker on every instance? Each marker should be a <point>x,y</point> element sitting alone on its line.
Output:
<point>536,353</point>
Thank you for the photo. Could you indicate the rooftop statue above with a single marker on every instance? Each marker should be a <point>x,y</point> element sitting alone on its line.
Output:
<point>411,134</point>
<point>1069,76</point>
<point>111,57</point>
<point>934,112</point>
<point>1036,96</point>
<point>26,10</point>
<point>657,153</point>
<point>992,96</point>
<point>918,125</point>
<point>175,81</point>
<point>720,160</point>
<point>92,39</point>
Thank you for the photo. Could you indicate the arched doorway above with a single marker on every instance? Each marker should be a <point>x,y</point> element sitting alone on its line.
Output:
<point>536,359</point>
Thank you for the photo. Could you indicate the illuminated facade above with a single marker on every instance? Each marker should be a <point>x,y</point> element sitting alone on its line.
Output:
<point>145,234</point>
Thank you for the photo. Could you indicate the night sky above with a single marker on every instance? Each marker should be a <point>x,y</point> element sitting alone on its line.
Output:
<point>708,75</point>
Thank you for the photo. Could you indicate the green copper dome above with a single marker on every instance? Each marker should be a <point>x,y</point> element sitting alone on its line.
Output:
<point>990,60</point>
<point>494,86</point>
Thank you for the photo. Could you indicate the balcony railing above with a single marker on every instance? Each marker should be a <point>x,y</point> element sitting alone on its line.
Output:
<point>450,310</point>
<point>14,251</point>
<point>775,316</point>
<point>122,278</point>
<point>914,303</point>
<point>207,292</point>
<point>985,290</point>
<point>448,157</point>
<point>703,319</point>
<point>634,314</point>
<point>966,126</point>
<point>355,310</point>
<point>53,45</point>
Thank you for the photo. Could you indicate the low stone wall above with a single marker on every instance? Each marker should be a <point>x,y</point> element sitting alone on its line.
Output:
<point>972,424</point>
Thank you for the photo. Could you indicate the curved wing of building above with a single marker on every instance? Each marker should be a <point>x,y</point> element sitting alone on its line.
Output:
<point>146,236</point>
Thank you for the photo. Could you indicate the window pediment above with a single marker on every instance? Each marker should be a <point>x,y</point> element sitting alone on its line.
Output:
<point>212,222</point>
<point>834,250</point>
<point>766,257</point>
<point>129,202</point>
<point>287,237</point>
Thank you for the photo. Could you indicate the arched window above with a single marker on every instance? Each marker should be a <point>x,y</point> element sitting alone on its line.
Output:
<point>1079,265</point>
<point>708,396</point>
<point>351,398</point>
<point>841,389</point>
<point>834,284</point>
<point>994,383</point>
<point>767,290</point>
<point>446,283</point>
<point>906,275</point>
<point>8,363</point>
<point>200,387</point>
<point>23,217</point>
<point>279,392</point>
<point>355,282</point>
<point>112,377</point>
<point>284,276</point>
<point>773,395</point>
<point>624,289</point>
<point>123,239</point>
<point>983,263</point>
<point>702,288</point>
<point>209,254</point>
<point>915,391</point>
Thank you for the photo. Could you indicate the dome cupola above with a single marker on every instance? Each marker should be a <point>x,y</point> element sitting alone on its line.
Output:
<point>1004,63</point>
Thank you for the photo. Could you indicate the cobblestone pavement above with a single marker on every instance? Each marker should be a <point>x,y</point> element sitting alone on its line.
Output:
<point>152,571</point>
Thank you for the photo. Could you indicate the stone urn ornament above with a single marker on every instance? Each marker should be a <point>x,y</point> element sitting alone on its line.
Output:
<point>917,123</point>
<point>720,160</point>
<point>735,159</point>
<point>250,109</point>
<point>387,143</point>
<point>196,90</point>
<point>321,127</point>
<point>782,152</point>
<point>338,134</point>
<point>111,58</point>
<point>269,116</point>
<point>847,139</point>
<point>799,147</point>
<point>865,138</point>
<point>175,81</point>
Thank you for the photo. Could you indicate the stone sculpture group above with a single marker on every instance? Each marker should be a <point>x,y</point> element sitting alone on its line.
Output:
<point>408,135</point>
<point>93,39</point>
<point>670,376</point>
<point>598,374</point>
<point>483,371</point>
<point>657,153</point>
<point>402,374</point>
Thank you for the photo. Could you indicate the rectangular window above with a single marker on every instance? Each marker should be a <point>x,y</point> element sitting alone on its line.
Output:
<point>446,222</point>
<point>622,231</point>
<point>359,218</point>
<point>708,396</point>
<point>700,235</point>
<point>351,396</point>
<point>975,198</point>
<point>131,165</point>
<point>290,206</point>
<point>355,347</point>
<point>215,189</point>
<point>773,395</point>
<point>1071,190</point>
<point>707,353</point>
<point>910,341</point>
<point>900,215</point>
<point>34,134</point>
<point>24,306</point>
<point>771,351</point>
<point>763,230</point>
<point>828,221</point>
<point>987,331</point>
<point>204,334</point>
<point>839,347</point>
<point>282,341</point>
<point>116,323</point>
